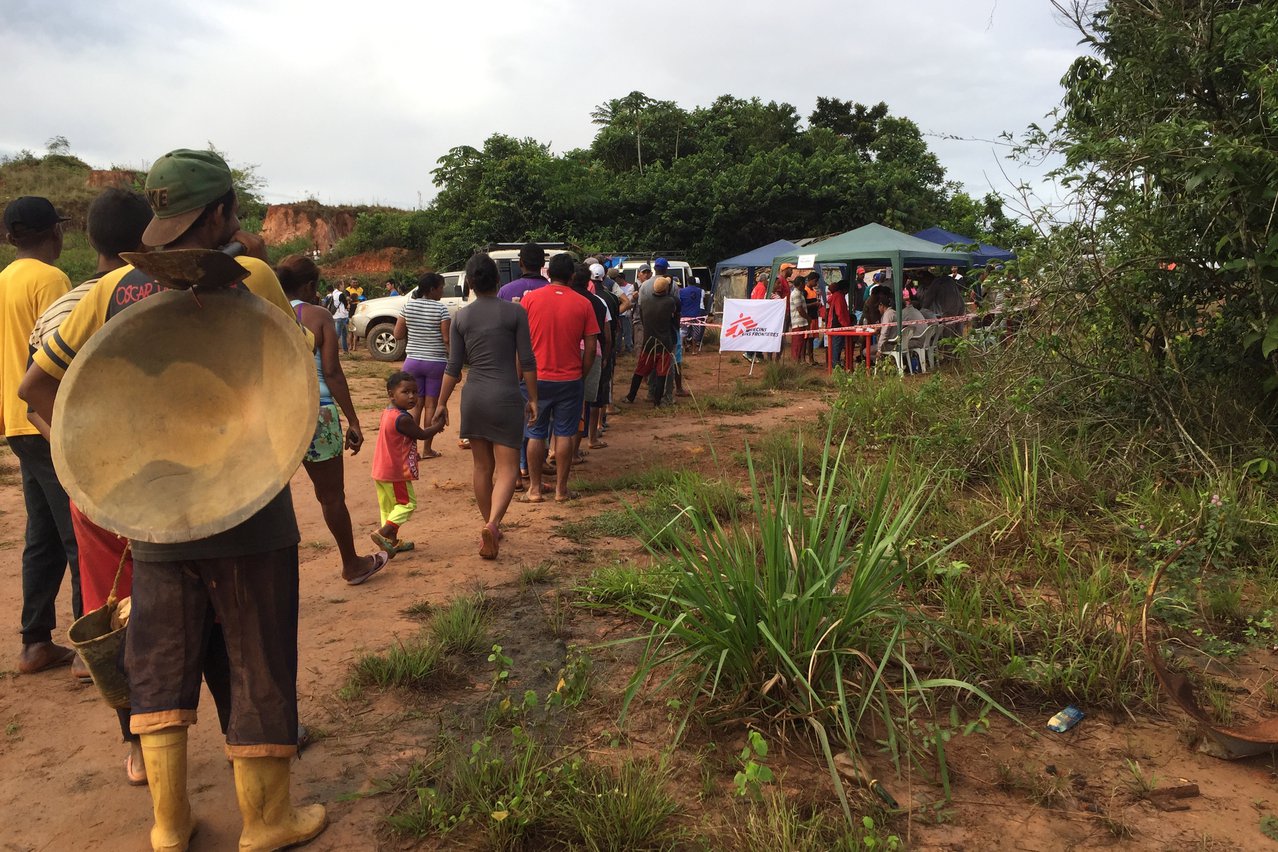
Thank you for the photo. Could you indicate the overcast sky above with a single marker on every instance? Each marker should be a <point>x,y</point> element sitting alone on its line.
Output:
<point>354,101</point>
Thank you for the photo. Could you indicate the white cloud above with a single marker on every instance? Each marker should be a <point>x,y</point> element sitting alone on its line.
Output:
<point>355,101</point>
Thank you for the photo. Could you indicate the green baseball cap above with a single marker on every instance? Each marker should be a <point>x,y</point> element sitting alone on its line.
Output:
<point>179,186</point>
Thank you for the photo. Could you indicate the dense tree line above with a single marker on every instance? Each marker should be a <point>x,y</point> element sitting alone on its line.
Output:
<point>707,183</point>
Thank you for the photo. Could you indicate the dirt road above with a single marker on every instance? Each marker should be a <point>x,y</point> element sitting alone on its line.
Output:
<point>61,764</point>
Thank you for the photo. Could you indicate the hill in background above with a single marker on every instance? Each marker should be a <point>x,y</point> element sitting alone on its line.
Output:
<point>71,184</point>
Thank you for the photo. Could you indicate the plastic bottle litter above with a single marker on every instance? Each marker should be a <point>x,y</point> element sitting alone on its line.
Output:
<point>1066,719</point>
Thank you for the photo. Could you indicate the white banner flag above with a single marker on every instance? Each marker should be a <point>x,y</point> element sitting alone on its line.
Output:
<point>752,325</point>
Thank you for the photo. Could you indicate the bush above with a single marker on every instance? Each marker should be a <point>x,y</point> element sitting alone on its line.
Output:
<point>797,616</point>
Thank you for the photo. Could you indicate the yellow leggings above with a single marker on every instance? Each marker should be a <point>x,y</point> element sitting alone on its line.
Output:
<point>396,500</point>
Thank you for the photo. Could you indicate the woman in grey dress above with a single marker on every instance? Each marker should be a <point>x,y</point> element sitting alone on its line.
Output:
<point>491,337</point>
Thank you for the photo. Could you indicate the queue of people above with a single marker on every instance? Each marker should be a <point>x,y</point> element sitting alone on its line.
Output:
<point>540,357</point>
<point>539,354</point>
<point>223,609</point>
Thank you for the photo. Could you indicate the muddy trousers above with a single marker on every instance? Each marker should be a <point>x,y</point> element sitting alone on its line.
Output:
<point>655,362</point>
<point>255,598</point>
<point>656,391</point>
<point>217,676</point>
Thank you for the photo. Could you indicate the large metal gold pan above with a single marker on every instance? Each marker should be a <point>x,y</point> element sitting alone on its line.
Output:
<point>180,419</point>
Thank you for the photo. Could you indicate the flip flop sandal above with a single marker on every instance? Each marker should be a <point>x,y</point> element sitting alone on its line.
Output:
<point>433,454</point>
<point>598,445</point>
<point>572,495</point>
<point>464,444</point>
<point>136,779</point>
<point>403,547</point>
<point>523,497</point>
<point>383,542</point>
<point>379,562</point>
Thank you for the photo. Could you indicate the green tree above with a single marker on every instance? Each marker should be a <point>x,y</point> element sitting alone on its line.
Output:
<point>1161,288</point>
<point>985,220</point>
<point>708,183</point>
<point>249,186</point>
<point>856,122</point>
<point>497,193</point>
<point>637,131</point>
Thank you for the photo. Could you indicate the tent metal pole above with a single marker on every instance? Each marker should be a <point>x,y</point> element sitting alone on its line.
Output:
<point>898,283</point>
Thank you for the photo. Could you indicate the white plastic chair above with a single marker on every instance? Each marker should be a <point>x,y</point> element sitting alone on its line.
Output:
<point>900,351</point>
<point>924,346</point>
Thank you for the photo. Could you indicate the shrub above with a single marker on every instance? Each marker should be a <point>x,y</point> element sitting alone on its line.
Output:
<point>796,617</point>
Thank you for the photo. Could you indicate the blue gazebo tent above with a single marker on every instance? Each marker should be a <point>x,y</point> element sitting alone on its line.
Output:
<point>984,252</point>
<point>753,260</point>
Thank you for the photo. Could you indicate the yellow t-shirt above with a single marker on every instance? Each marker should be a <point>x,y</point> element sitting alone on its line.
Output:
<point>27,288</point>
<point>106,299</point>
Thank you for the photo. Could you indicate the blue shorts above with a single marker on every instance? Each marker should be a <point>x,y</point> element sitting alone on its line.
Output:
<point>558,409</point>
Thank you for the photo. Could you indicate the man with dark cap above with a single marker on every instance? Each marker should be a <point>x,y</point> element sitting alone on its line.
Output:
<point>28,287</point>
<point>246,577</point>
<point>662,269</point>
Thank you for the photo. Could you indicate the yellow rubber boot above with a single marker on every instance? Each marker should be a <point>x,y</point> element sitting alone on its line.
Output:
<point>270,820</point>
<point>164,754</point>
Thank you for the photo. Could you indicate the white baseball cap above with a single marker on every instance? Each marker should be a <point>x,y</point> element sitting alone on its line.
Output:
<point>596,272</point>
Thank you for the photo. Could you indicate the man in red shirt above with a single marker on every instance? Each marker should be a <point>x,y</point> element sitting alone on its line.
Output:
<point>839,317</point>
<point>564,330</point>
<point>760,290</point>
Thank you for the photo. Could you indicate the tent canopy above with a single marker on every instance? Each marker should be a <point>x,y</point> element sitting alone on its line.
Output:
<point>984,252</point>
<point>760,258</point>
<point>878,244</point>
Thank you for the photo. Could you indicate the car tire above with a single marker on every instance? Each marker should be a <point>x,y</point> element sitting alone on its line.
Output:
<point>382,344</point>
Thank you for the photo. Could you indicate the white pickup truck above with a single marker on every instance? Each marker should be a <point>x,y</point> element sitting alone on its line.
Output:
<point>374,319</point>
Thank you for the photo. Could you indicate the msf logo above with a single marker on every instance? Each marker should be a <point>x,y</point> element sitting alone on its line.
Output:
<point>740,326</point>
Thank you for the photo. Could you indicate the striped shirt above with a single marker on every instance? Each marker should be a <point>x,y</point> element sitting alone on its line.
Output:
<point>57,312</point>
<point>424,318</point>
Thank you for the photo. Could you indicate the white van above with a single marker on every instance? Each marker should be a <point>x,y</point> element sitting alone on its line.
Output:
<point>680,271</point>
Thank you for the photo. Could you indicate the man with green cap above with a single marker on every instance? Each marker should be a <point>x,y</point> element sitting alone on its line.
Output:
<point>245,578</point>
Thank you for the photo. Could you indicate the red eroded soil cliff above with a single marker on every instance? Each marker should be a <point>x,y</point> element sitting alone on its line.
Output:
<point>380,262</point>
<point>323,226</point>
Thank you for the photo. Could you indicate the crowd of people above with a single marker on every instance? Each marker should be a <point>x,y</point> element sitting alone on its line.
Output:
<point>539,356</point>
<point>540,353</point>
<point>868,299</point>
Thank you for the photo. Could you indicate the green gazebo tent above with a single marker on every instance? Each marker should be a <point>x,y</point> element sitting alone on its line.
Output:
<point>880,245</point>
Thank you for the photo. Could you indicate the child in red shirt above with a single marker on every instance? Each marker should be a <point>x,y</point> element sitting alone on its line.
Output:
<point>395,461</point>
